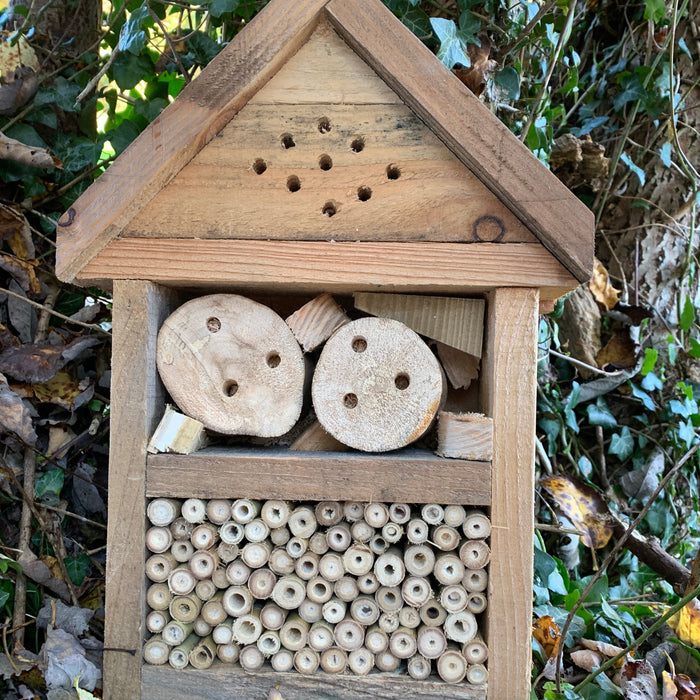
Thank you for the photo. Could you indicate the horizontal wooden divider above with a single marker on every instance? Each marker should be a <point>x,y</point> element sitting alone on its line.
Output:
<point>409,476</point>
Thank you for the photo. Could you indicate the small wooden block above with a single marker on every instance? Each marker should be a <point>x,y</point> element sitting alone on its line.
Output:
<point>450,320</point>
<point>460,367</point>
<point>465,436</point>
<point>177,433</point>
<point>316,439</point>
<point>316,321</point>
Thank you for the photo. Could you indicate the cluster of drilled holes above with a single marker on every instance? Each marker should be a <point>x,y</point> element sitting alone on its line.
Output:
<point>273,359</point>
<point>287,140</point>
<point>293,183</point>
<point>213,324</point>
<point>259,166</point>
<point>359,344</point>
<point>230,387</point>
<point>350,400</point>
<point>402,381</point>
<point>325,162</point>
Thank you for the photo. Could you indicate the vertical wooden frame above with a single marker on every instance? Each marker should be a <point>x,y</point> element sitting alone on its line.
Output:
<point>510,386</point>
<point>137,400</point>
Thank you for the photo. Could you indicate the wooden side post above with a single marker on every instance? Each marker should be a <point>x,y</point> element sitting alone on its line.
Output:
<point>510,384</point>
<point>139,309</point>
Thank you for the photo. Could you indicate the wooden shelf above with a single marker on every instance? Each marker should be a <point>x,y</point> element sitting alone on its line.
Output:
<point>408,476</point>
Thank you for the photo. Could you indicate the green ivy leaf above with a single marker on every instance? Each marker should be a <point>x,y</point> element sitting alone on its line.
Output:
<point>131,37</point>
<point>652,383</point>
<point>77,567</point>
<point>51,482</point>
<point>687,315</point>
<point>509,82</point>
<point>622,444</point>
<point>4,597</point>
<point>129,70</point>
<point>694,348</point>
<point>651,355</point>
<point>202,48</point>
<point>686,432</point>
<point>599,414</point>
<point>452,46</point>
<point>220,7</point>
<point>655,10</point>
<point>643,397</point>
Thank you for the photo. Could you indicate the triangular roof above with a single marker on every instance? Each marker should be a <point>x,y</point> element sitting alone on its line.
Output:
<point>145,181</point>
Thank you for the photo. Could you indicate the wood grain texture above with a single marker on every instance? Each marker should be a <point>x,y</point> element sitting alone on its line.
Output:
<point>203,108</point>
<point>476,136</point>
<point>316,321</point>
<point>137,404</point>
<point>408,476</point>
<point>509,378</point>
<point>320,266</point>
<point>224,682</point>
<point>465,435</point>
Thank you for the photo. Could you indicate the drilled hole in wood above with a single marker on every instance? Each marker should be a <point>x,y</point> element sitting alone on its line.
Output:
<point>324,125</point>
<point>393,172</point>
<point>359,344</point>
<point>287,140</point>
<point>213,324</point>
<point>273,360</point>
<point>329,209</point>
<point>259,166</point>
<point>402,381</point>
<point>230,387</point>
<point>293,183</point>
<point>350,400</point>
<point>357,144</point>
<point>325,162</point>
<point>364,193</point>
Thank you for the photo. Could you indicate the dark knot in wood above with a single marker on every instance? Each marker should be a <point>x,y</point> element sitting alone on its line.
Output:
<point>71,218</point>
<point>488,229</point>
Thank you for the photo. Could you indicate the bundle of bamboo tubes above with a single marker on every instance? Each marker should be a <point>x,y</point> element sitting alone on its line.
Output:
<point>341,587</point>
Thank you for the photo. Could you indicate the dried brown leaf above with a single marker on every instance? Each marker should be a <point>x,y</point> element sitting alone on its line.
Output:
<point>481,66</point>
<point>686,623</point>
<point>638,680</point>
<point>587,659</point>
<point>11,149</point>
<point>619,353</point>
<point>547,634</point>
<point>15,229</point>
<point>64,391</point>
<point>22,271</point>
<point>604,648</point>
<point>603,291</point>
<point>14,415</point>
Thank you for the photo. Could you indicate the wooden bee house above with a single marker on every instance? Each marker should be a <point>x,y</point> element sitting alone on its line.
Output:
<point>325,150</point>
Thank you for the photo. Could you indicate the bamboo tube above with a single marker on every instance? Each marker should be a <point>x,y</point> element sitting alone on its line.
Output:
<point>364,610</point>
<point>182,550</point>
<point>158,539</point>
<point>203,563</point>
<point>416,591</point>
<point>256,530</point>
<point>318,544</point>
<point>389,622</point>
<point>320,636</point>
<point>228,653</point>
<point>218,510</point>
<point>358,560</point>
<point>389,568</point>
<point>389,599</point>
<point>269,642</point>
<point>247,628</point>
<point>156,621</point>
<point>334,660</point>
<point>334,610</point>
<point>306,661</point>
<point>227,552</point>
<point>237,573</point>
<point>275,513</point>
<point>477,603</point>
<point>433,614</point>
<point>251,658</point>
<point>223,632</point>
<point>272,616</point>
<point>179,656</point>
<point>419,667</point>
<point>476,525</point>
<point>452,666</point>
<point>294,633</point>
<point>185,608</point>
<point>289,592</point>
<point>460,627</point>
<point>386,661</point>
<point>213,611</point>
<point>409,617</point>
<point>399,513</point>
<point>159,566</point>
<point>282,661</point>
<point>205,589</point>
<point>353,511</point>
<point>302,522</point>
<point>454,515</point>
<point>417,531</point>
<point>296,546</point>
<point>244,510</point>
<point>156,651</point>
<point>402,643</point>
<point>361,661</point>
<point>475,580</point>
<point>306,566</point>
<point>280,562</point>
<point>392,533</point>
<point>328,513</point>
<point>376,639</point>
<point>237,601</point>
<point>231,532</point>
<point>432,513</point>
<point>181,529</point>
<point>454,598</point>
<point>346,588</point>
<point>475,651</point>
<point>376,515</point>
<point>162,511</point>
<point>367,583</point>
<point>319,590</point>
<point>378,544</point>
<point>310,611</point>
<point>339,537</point>
<point>445,537</point>
<point>256,554</point>
<point>261,583</point>
<point>158,596</point>
<point>175,632</point>
<point>194,510</point>
<point>419,560</point>
<point>362,531</point>
<point>279,536</point>
<point>201,627</point>
<point>349,634</point>
<point>432,642</point>
<point>331,567</point>
<point>449,569</point>
<point>475,554</point>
